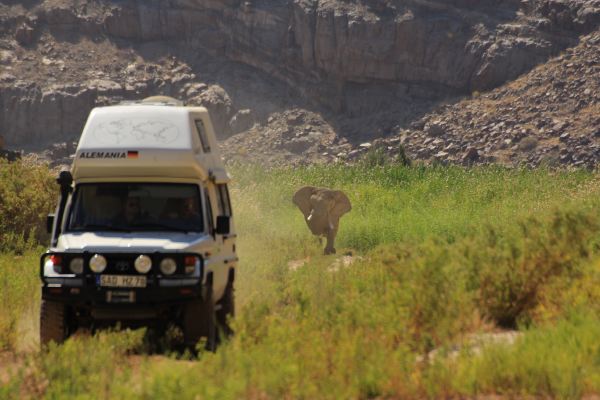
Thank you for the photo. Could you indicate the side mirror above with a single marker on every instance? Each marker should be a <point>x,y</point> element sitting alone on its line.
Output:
<point>223,227</point>
<point>49,223</point>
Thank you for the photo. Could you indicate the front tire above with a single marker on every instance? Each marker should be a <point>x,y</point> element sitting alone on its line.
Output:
<point>200,320</point>
<point>53,323</point>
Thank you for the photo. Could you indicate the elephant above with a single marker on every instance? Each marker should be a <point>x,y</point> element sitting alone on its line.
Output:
<point>322,209</point>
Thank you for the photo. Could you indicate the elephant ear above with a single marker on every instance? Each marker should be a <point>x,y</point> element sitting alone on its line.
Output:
<point>342,204</point>
<point>302,199</point>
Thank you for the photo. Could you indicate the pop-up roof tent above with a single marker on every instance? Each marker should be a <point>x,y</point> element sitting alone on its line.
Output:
<point>142,140</point>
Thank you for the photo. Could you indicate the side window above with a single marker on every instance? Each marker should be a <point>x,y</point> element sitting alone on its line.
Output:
<point>209,212</point>
<point>202,135</point>
<point>224,202</point>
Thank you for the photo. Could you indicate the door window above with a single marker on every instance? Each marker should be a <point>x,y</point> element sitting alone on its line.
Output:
<point>224,201</point>
<point>209,211</point>
<point>202,136</point>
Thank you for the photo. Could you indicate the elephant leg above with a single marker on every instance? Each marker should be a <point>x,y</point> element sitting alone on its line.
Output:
<point>329,249</point>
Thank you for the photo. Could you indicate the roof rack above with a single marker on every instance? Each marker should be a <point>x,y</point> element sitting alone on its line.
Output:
<point>154,101</point>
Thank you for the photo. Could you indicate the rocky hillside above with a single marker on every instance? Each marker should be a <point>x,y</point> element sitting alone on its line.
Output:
<point>291,80</point>
<point>549,116</point>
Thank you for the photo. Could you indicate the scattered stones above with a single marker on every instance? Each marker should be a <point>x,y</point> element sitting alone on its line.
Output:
<point>298,146</point>
<point>541,118</point>
<point>565,137</point>
<point>344,262</point>
<point>7,57</point>
<point>243,120</point>
<point>295,265</point>
<point>6,77</point>
<point>434,128</point>
<point>104,85</point>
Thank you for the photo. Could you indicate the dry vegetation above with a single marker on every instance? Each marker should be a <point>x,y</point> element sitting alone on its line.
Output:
<point>443,257</point>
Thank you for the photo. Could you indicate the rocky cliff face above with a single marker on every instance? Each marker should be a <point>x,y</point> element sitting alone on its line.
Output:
<point>455,45</point>
<point>359,63</point>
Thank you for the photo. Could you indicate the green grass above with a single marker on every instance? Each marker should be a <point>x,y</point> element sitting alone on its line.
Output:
<point>440,255</point>
<point>554,361</point>
<point>19,301</point>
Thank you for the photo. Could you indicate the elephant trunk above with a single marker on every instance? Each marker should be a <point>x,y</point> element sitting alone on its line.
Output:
<point>315,225</point>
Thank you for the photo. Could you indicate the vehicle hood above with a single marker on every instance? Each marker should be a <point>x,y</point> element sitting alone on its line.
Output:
<point>119,241</point>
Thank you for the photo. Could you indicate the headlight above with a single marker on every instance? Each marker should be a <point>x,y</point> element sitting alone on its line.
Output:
<point>168,266</point>
<point>76,265</point>
<point>98,263</point>
<point>143,264</point>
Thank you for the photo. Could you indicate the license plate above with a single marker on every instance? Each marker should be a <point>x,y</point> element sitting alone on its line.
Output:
<point>123,281</point>
<point>120,296</point>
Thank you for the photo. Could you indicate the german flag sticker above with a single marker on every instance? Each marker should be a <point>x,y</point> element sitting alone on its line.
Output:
<point>133,154</point>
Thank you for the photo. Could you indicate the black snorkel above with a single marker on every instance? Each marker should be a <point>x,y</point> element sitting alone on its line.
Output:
<point>65,181</point>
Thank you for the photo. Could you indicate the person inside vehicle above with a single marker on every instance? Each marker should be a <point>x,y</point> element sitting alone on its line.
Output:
<point>181,208</point>
<point>189,208</point>
<point>131,211</point>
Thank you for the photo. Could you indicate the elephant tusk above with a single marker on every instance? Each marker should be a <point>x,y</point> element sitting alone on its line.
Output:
<point>310,216</point>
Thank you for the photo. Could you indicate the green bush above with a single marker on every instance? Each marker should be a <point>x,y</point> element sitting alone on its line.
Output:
<point>27,195</point>
<point>511,270</point>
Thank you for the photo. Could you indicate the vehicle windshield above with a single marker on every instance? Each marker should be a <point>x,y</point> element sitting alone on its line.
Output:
<point>136,207</point>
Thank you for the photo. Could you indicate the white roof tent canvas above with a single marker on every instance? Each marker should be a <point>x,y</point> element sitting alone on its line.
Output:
<point>148,140</point>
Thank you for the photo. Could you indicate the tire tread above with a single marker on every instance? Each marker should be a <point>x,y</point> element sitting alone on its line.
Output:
<point>52,322</point>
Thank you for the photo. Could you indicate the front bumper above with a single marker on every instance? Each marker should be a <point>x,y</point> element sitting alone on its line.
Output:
<point>94,296</point>
<point>85,292</point>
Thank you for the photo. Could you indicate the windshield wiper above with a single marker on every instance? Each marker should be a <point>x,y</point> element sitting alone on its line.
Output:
<point>100,227</point>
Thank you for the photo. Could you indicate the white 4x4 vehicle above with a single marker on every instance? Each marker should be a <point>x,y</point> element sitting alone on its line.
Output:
<point>143,232</point>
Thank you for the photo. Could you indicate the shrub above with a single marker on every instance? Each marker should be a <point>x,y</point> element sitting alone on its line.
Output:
<point>528,143</point>
<point>551,361</point>
<point>512,269</point>
<point>27,195</point>
<point>375,157</point>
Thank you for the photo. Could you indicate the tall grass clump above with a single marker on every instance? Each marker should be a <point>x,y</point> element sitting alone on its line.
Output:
<point>19,299</point>
<point>513,269</point>
<point>559,361</point>
<point>85,367</point>
<point>27,195</point>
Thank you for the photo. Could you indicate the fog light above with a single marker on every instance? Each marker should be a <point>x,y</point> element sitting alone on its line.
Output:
<point>143,264</point>
<point>98,263</point>
<point>76,265</point>
<point>168,266</point>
